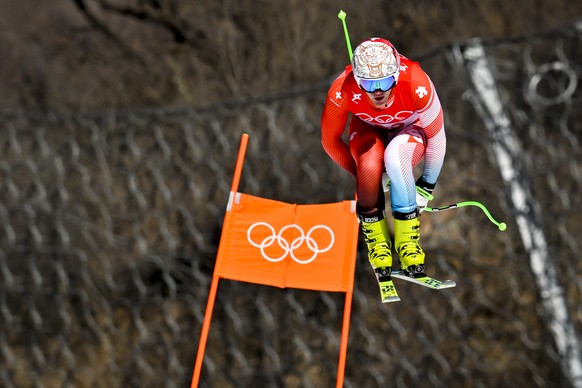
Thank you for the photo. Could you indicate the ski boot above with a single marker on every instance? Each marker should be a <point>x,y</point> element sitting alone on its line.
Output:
<point>379,254</point>
<point>379,248</point>
<point>406,236</point>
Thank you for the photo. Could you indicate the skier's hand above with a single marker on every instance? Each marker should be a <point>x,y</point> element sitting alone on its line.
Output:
<point>423,193</point>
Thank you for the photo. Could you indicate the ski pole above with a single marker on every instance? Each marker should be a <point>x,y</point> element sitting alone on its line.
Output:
<point>342,16</point>
<point>501,225</point>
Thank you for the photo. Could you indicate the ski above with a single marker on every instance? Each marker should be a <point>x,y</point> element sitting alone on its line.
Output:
<point>425,281</point>
<point>388,292</point>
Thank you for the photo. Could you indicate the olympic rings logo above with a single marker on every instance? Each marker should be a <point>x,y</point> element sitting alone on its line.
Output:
<point>287,247</point>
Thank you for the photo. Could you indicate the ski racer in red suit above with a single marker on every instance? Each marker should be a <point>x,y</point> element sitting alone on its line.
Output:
<point>396,122</point>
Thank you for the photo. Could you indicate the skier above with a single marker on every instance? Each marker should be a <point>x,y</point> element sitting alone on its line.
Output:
<point>396,122</point>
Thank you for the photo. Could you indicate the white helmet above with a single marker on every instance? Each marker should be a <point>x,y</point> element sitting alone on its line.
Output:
<point>376,65</point>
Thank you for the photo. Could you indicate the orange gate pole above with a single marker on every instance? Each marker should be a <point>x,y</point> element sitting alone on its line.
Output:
<point>341,367</point>
<point>216,278</point>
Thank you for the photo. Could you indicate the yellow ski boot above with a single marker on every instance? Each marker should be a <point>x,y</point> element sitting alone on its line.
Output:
<point>379,248</point>
<point>406,236</point>
<point>380,255</point>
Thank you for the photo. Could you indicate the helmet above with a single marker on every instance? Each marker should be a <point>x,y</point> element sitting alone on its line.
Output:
<point>376,65</point>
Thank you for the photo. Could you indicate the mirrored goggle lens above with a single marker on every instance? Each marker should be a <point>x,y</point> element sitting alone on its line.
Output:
<point>383,84</point>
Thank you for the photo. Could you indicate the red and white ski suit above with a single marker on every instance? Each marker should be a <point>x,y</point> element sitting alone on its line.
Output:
<point>396,138</point>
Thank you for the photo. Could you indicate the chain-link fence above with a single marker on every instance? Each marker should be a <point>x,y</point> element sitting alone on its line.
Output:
<point>109,226</point>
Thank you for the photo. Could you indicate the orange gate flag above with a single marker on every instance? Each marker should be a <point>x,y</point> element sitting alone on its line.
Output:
<point>287,245</point>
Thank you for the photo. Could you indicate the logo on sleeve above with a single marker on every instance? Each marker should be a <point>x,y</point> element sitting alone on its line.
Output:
<point>421,91</point>
<point>337,98</point>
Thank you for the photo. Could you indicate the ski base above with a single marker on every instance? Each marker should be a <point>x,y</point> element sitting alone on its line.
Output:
<point>425,281</point>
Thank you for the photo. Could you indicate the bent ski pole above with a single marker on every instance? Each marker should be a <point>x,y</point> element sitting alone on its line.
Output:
<point>342,16</point>
<point>501,225</point>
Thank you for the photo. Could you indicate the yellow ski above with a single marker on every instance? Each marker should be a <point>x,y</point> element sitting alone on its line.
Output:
<point>425,281</point>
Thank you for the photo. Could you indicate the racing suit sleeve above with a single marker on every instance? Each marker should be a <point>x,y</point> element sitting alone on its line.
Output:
<point>333,124</point>
<point>431,119</point>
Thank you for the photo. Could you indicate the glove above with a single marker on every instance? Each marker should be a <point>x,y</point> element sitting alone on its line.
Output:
<point>423,193</point>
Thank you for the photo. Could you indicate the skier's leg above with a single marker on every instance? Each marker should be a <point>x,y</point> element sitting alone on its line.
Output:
<point>402,154</point>
<point>367,144</point>
<point>367,148</point>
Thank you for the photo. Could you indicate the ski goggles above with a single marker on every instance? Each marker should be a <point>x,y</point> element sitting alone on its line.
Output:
<point>382,84</point>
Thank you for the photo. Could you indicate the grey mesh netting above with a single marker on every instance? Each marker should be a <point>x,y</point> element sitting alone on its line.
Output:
<point>109,226</point>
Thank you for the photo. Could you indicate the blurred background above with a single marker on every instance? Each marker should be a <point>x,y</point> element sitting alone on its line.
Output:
<point>120,123</point>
